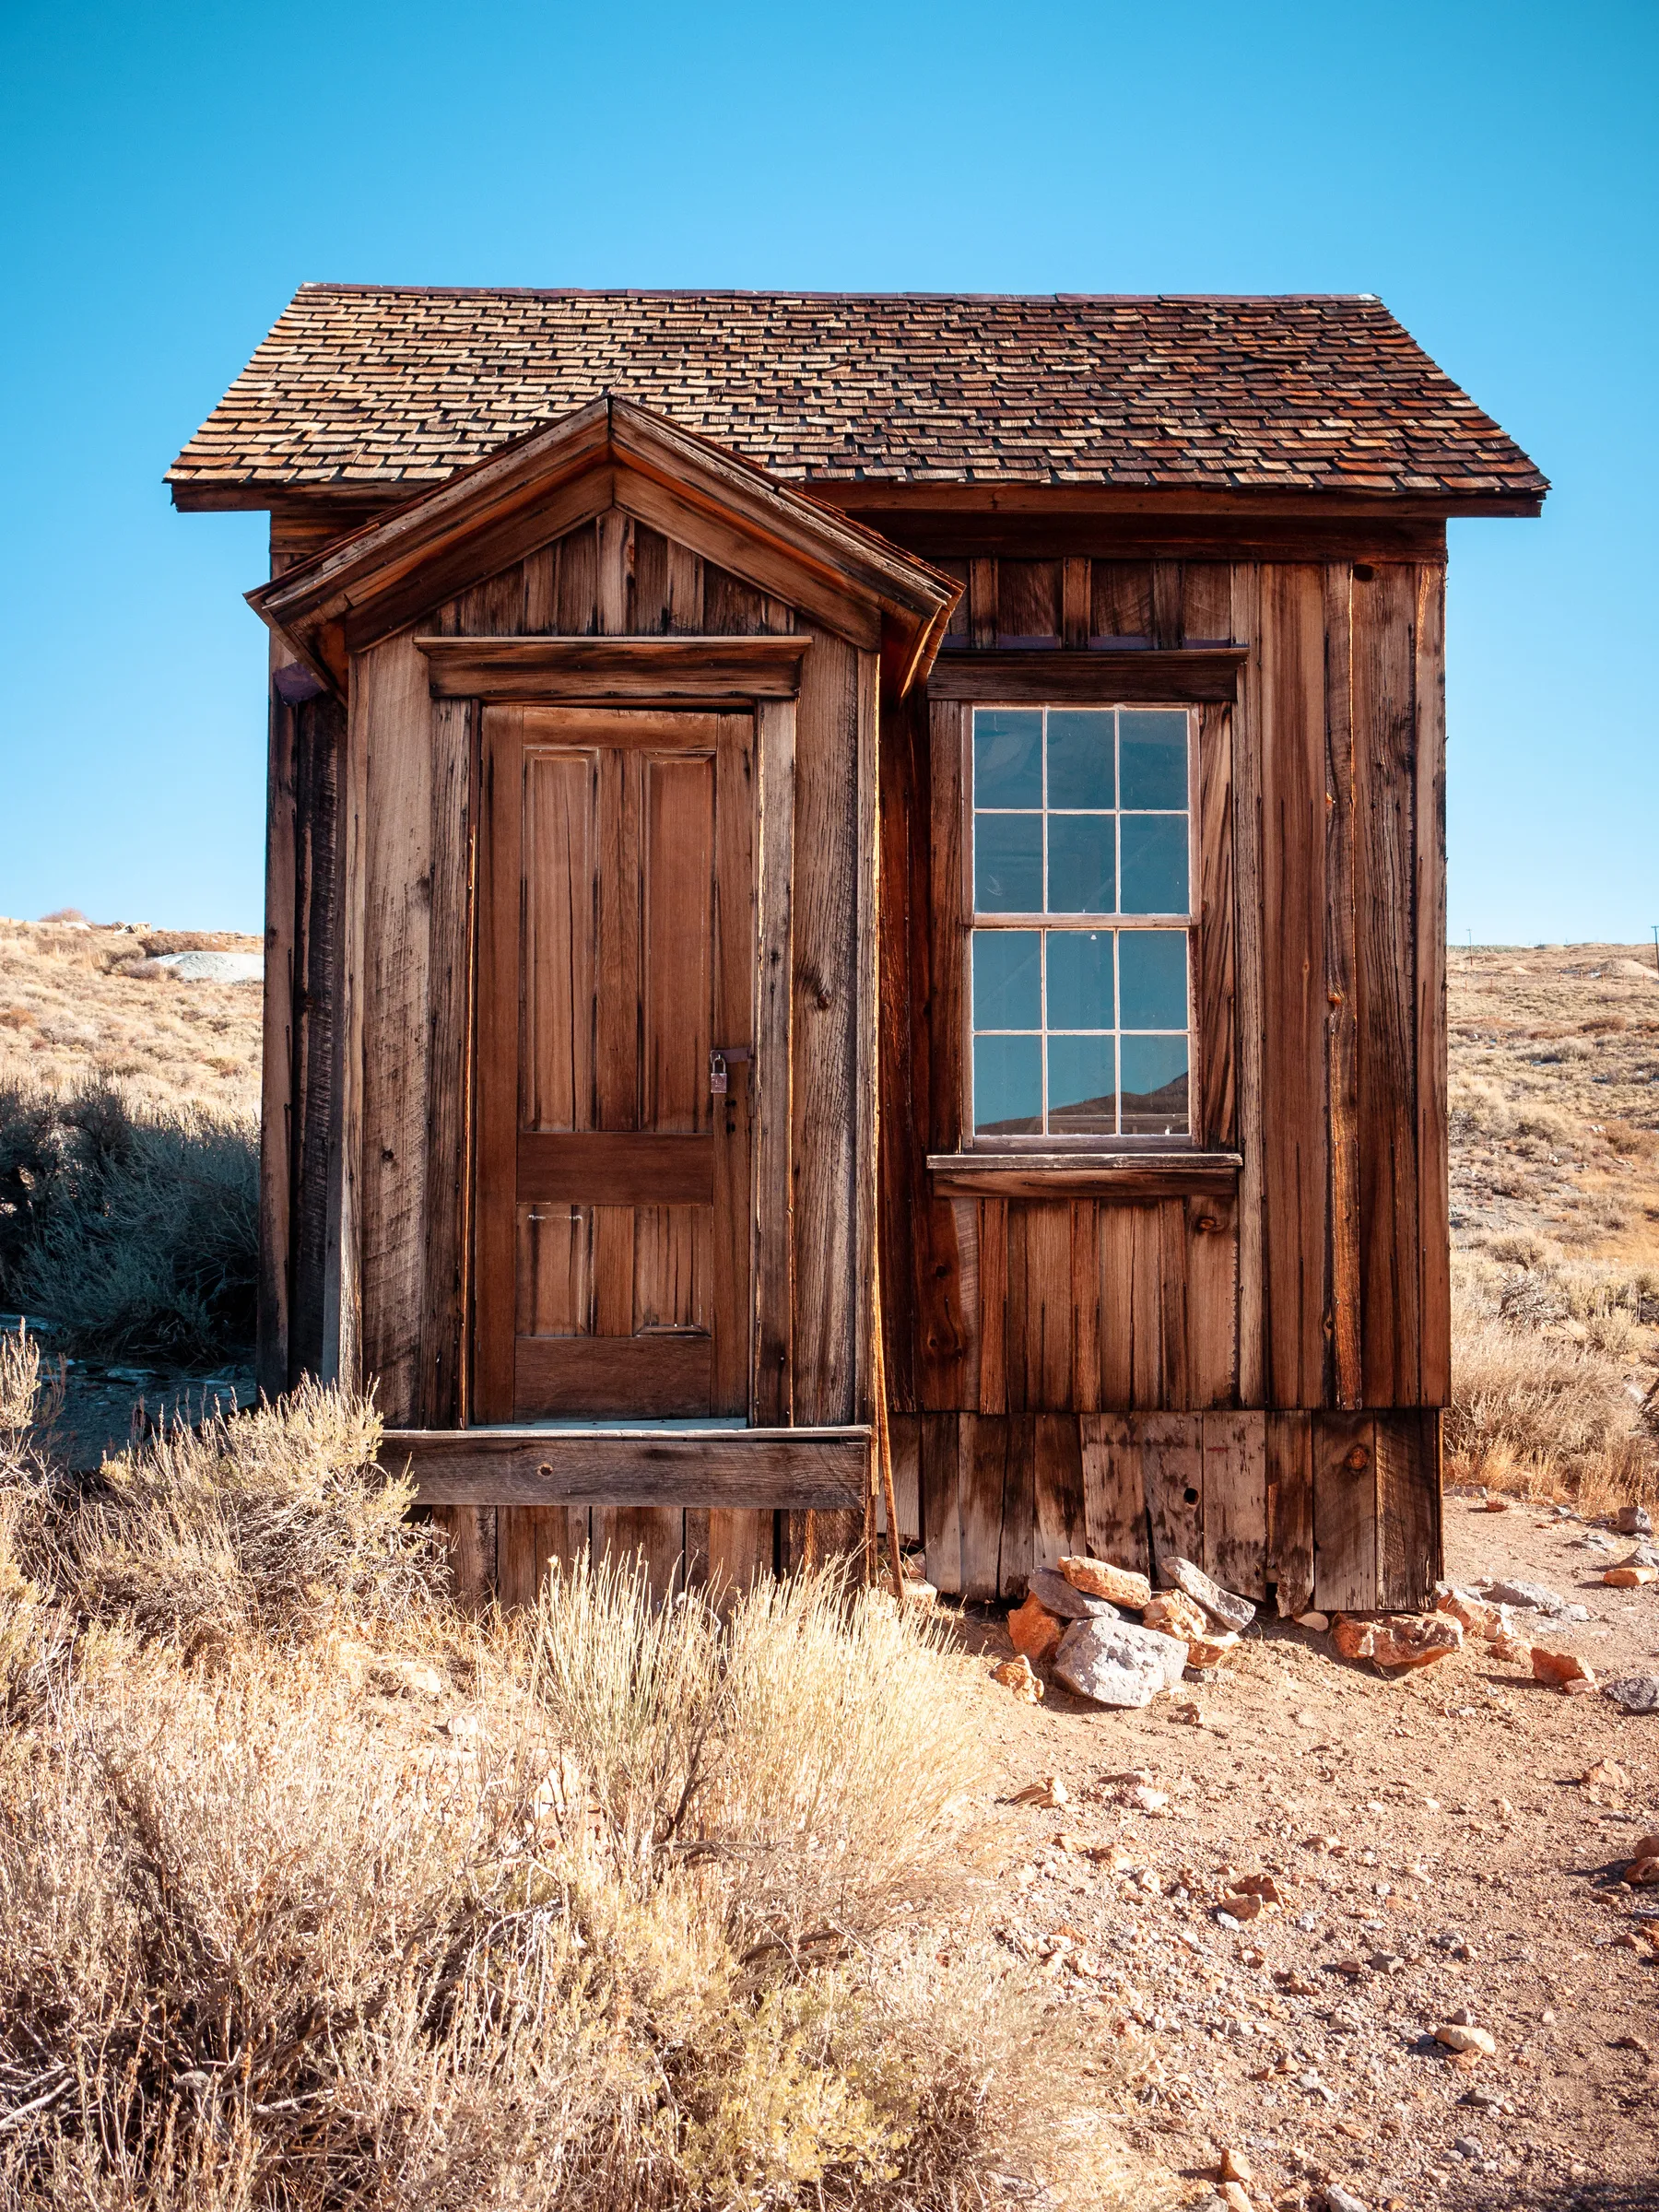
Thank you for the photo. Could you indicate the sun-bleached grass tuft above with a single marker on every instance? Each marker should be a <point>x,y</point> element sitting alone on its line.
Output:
<point>318,1894</point>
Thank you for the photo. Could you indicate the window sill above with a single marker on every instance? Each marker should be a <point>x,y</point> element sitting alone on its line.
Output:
<point>1174,1174</point>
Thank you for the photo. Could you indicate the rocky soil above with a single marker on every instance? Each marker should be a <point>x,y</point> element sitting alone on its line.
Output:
<point>1437,1848</point>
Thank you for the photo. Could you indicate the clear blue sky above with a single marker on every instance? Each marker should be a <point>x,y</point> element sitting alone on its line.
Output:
<point>171,173</point>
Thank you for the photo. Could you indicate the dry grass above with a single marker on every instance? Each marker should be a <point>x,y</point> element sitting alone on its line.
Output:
<point>83,1004</point>
<point>135,1228</point>
<point>317,1894</point>
<point>1555,1188</point>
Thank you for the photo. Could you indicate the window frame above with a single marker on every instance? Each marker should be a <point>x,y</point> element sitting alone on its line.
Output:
<point>1083,1145</point>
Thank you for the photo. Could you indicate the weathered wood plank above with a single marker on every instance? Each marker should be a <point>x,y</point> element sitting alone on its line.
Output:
<point>1248,1018</point>
<point>1434,1320</point>
<point>1059,1175</point>
<point>1114,1502</point>
<point>906,1433</point>
<point>319,892</point>
<point>612,1373</point>
<point>1017,1550</point>
<point>941,1501</point>
<point>282,938</point>
<point>1345,1513</point>
<point>441,1384</point>
<point>1086,1306</point>
<point>615,667</point>
<point>1212,1300</point>
<point>1409,1505</point>
<point>775,1230</point>
<point>1294,1093</point>
<point>1216,1104</point>
<point>1121,595</point>
<point>981,604</point>
<point>1235,1501</point>
<point>1171,1456</point>
<point>992,1306</point>
<point>738,1468</point>
<point>494,1172</point>
<point>1290,1511</point>
<point>983,1444</point>
<point>1027,602</point>
<point>984,672</point>
<point>616,1168</point>
<point>1075,606</point>
<point>1386,935</point>
<point>829,1290</point>
<point>1062,1515</point>
<point>1341,1060</point>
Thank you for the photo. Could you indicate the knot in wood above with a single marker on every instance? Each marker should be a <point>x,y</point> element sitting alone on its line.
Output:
<point>1358,1459</point>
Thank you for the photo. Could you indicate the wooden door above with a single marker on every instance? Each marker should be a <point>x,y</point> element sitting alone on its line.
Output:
<point>615,957</point>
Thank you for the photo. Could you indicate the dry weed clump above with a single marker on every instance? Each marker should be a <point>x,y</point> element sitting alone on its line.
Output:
<point>136,1230</point>
<point>346,1900</point>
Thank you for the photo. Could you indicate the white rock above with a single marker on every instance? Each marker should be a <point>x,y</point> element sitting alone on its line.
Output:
<point>1117,1663</point>
<point>1233,1612</point>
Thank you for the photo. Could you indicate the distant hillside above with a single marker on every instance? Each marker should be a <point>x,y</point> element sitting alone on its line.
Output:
<point>80,1002</point>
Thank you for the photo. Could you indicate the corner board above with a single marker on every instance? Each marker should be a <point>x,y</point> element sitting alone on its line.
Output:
<point>822,1470</point>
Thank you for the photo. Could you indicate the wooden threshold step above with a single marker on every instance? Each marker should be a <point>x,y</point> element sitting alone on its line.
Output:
<point>822,1470</point>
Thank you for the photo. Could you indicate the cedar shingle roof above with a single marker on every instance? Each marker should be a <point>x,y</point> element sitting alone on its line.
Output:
<point>364,386</point>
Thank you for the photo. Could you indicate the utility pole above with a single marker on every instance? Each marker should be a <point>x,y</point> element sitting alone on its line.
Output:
<point>1655,927</point>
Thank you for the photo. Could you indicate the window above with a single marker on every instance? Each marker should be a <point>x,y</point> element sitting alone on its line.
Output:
<point>1081,863</point>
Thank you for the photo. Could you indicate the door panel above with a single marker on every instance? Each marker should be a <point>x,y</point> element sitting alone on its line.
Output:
<point>614,1189</point>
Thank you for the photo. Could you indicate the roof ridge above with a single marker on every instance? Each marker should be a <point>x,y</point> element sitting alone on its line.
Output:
<point>683,291</point>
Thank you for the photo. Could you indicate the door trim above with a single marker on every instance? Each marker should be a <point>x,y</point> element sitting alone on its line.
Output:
<point>594,669</point>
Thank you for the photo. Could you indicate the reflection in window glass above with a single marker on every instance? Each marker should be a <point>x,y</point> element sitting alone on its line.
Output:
<point>1081,817</point>
<point>1008,1086</point>
<point>1154,1086</point>
<point>1082,1085</point>
<point>1008,864</point>
<point>1008,979</point>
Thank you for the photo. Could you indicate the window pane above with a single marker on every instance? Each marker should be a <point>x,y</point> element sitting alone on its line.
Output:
<point>1082,1087</point>
<point>1154,863</point>
<point>1008,1086</point>
<point>1155,1086</point>
<point>1081,771</point>
<point>1152,967</point>
<point>1007,757</point>
<point>1154,758</point>
<point>1008,864</point>
<point>1008,979</point>
<point>1082,870</point>
<point>1079,979</point>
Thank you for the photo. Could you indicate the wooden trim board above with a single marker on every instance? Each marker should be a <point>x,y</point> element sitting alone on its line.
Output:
<point>584,668</point>
<point>802,1469</point>
<point>1105,678</point>
<point>1051,1175</point>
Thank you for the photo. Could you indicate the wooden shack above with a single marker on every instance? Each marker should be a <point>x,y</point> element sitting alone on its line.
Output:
<point>816,835</point>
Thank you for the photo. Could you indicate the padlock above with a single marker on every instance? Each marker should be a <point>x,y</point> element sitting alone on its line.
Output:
<point>717,1075</point>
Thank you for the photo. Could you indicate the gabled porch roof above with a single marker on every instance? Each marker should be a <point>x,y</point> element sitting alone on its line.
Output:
<point>612,453</point>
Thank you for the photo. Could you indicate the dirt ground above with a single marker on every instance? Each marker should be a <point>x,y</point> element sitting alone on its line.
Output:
<point>1437,1848</point>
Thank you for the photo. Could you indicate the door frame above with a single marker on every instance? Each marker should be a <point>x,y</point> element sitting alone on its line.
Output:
<point>638,676</point>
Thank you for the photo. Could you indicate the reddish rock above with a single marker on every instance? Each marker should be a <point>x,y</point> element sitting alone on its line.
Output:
<point>1117,1585</point>
<point>1399,1638</point>
<point>1035,1631</point>
<point>1559,1667</point>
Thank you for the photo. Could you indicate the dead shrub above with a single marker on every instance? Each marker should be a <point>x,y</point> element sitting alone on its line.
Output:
<point>652,1920</point>
<point>136,1232</point>
<point>1630,1141</point>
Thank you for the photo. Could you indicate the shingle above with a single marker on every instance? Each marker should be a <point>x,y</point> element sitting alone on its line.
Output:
<point>386,384</point>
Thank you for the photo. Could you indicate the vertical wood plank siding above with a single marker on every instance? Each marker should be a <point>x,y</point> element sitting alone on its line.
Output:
<point>1274,1328</point>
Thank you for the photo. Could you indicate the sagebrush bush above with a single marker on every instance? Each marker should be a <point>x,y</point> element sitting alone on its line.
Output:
<point>318,1894</point>
<point>136,1230</point>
